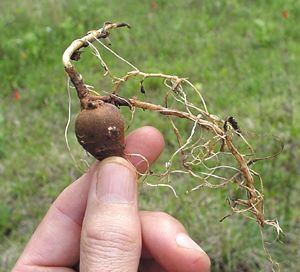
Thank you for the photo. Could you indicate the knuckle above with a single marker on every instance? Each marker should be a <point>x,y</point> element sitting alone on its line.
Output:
<point>113,241</point>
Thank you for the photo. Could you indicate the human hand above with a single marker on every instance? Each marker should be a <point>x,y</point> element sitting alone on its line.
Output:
<point>95,222</point>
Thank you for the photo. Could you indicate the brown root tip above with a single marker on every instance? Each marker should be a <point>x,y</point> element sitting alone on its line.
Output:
<point>123,24</point>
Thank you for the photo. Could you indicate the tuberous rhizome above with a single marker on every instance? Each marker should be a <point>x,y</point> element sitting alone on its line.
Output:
<point>99,128</point>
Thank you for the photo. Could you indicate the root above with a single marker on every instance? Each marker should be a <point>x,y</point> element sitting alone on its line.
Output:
<point>196,151</point>
<point>67,126</point>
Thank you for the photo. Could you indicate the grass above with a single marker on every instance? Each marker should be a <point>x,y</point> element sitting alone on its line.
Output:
<point>243,53</point>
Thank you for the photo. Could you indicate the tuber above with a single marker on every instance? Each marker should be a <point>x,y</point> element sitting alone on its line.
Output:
<point>99,129</point>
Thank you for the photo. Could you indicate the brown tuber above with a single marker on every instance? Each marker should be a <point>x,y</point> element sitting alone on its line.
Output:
<point>99,128</point>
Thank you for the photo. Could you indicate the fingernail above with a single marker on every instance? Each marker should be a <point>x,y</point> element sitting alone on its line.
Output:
<point>183,240</point>
<point>116,181</point>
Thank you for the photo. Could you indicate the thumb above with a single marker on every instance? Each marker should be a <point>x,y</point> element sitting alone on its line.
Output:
<point>111,231</point>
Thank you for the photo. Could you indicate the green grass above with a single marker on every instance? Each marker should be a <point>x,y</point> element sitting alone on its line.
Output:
<point>245,54</point>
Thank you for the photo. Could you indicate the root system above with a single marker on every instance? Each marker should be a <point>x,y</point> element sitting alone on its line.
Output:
<point>100,129</point>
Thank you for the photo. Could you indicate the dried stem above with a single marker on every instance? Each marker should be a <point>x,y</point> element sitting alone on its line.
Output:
<point>73,52</point>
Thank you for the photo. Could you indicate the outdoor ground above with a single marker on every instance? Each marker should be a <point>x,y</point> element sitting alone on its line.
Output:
<point>244,54</point>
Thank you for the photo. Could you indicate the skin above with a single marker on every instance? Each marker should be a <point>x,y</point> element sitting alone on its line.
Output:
<point>108,233</point>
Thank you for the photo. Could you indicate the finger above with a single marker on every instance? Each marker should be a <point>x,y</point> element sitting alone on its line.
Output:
<point>165,239</point>
<point>56,240</point>
<point>34,268</point>
<point>151,145</point>
<point>111,230</point>
<point>150,266</point>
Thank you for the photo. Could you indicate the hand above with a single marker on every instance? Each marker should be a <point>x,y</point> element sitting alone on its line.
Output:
<point>95,222</point>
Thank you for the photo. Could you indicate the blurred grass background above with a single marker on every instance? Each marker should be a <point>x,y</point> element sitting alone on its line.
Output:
<point>245,54</point>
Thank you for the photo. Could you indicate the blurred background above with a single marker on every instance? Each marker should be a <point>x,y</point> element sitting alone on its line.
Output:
<point>243,54</point>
